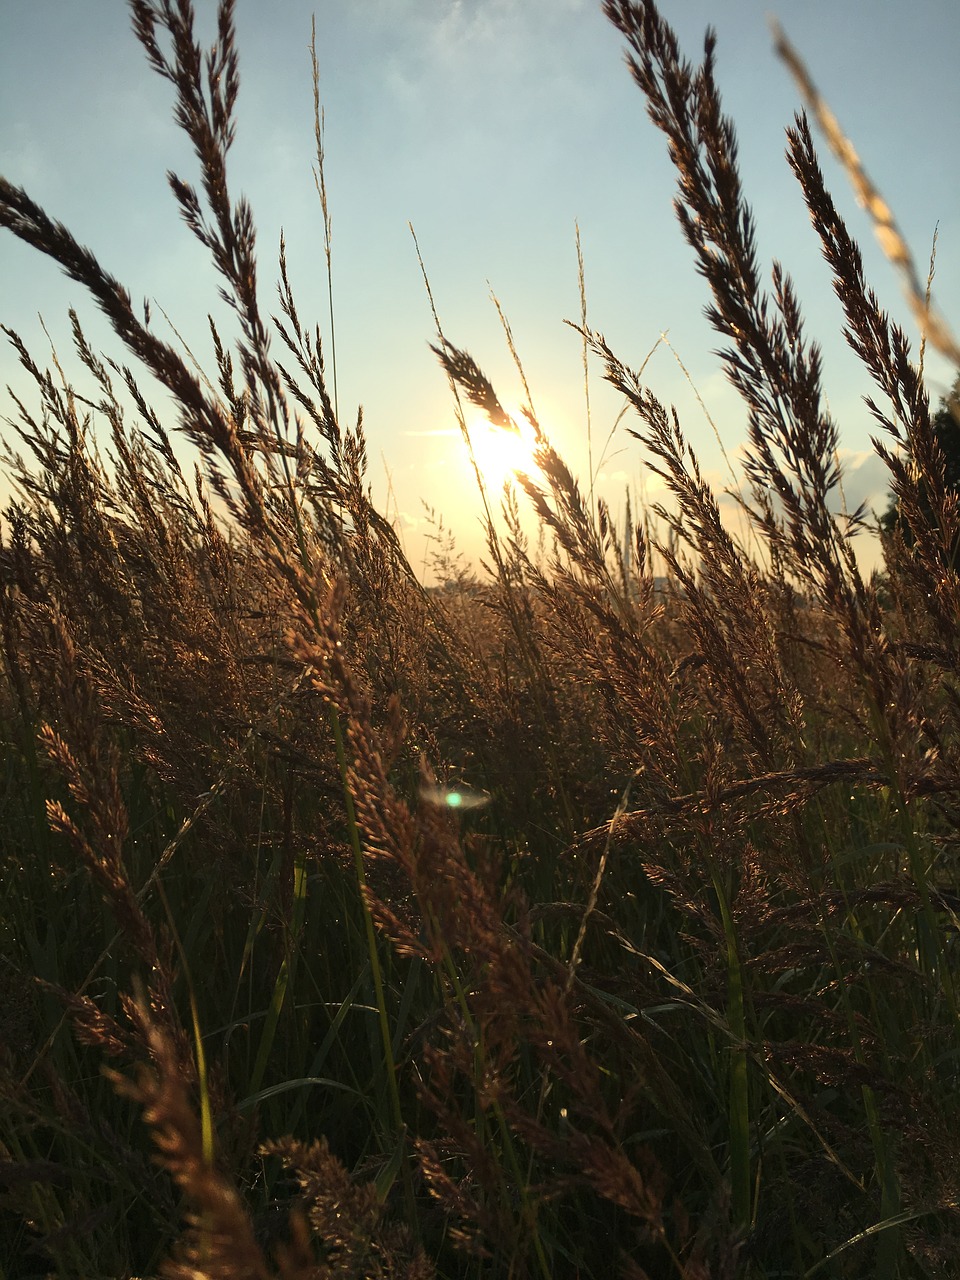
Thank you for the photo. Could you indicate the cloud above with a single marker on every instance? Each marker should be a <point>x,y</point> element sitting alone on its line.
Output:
<point>865,479</point>
<point>22,158</point>
<point>477,46</point>
<point>502,25</point>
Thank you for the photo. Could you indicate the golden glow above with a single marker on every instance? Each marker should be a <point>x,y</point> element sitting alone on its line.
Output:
<point>500,453</point>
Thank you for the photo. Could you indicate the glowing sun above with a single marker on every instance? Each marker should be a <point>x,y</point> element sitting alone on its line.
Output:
<point>501,452</point>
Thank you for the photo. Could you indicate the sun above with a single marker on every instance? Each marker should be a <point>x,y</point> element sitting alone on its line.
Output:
<point>500,452</point>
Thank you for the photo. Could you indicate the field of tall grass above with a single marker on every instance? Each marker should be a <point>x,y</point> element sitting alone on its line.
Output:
<point>669,990</point>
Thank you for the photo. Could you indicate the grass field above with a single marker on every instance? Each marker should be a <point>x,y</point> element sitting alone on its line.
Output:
<point>596,918</point>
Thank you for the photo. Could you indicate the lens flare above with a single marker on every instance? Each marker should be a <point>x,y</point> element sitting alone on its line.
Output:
<point>459,798</point>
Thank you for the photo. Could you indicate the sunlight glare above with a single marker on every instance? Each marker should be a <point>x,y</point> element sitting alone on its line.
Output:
<point>502,453</point>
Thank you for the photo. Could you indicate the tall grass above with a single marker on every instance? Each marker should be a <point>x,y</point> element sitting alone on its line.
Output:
<point>674,994</point>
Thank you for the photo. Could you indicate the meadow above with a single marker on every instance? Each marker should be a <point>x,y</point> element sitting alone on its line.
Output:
<point>593,916</point>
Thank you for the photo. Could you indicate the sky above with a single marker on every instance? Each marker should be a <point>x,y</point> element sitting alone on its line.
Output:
<point>494,127</point>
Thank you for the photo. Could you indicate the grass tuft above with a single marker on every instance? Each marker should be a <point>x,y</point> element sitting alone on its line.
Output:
<point>594,916</point>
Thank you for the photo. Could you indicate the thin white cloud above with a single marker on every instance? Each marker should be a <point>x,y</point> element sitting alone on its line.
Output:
<point>22,159</point>
<point>481,45</point>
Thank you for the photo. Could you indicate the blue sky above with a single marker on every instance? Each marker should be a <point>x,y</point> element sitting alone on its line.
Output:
<point>491,125</point>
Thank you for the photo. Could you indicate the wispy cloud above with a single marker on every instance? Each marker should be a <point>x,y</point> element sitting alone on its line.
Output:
<point>22,159</point>
<point>481,44</point>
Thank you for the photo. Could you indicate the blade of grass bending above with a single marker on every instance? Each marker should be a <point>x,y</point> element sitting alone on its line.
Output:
<point>874,1230</point>
<point>521,1183</point>
<point>406,1002</point>
<point>285,977</point>
<point>304,1082</point>
<point>884,1162</point>
<point>374,957</point>
<point>206,1113</point>
<point>320,181</point>
<point>328,1040</point>
<point>257,921</point>
<point>581,280</point>
<point>738,1098</point>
